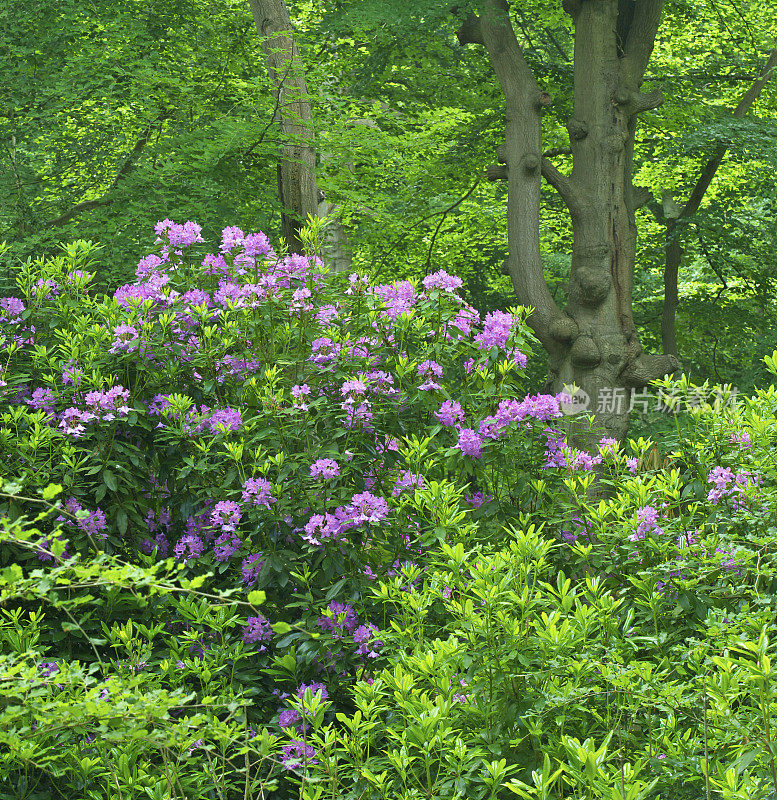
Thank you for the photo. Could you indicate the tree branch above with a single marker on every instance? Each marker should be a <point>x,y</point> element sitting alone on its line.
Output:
<point>524,100</point>
<point>445,213</point>
<point>469,32</point>
<point>641,36</point>
<point>562,184</point>
<point>642,196</point>
<point>105,199</point>
<point>648,367</point>
<point>708,173</point>
<point>646,101</point>
<point>557,151</point>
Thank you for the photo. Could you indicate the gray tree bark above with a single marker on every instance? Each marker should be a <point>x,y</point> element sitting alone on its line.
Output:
<point>672,213</point>
<point>593,342</point>
<point>297,189</point>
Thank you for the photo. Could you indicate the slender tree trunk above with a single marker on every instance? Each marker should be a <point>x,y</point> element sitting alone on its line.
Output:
<point>297,189</point>
<point>593,343</point>
<point>673,248</point>
<point>673,256</point>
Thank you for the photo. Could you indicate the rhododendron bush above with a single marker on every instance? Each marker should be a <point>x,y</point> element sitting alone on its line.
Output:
<point>355,556</point>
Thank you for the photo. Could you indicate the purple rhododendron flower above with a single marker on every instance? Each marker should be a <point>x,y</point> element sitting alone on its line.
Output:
<point>226,515</point>
<point>450,413</point>
<point>441,280</point>
<point>188,548</point>
<point>338,617</point>
<point>257,629</point>
<point>399,298</point>
<point>252,568</point>
<point>231,237</point>
<point>429,368</point>
<point>477,499</point>
<point>355,387</point>
<point>647,520</point>
<point>45,288</point>
<point>470,443</point>
<point>366,507</point>
<point>497,328</point>
<point>297,754</point>
<point>181,235</point>
<point>315,688</point>
<point>288,717</point>
<point>408,480</point>
<point>608,446</point>
<point>48,668</point>
<point>357,415</point>
<point>42,399</point>
<point>71,374</point>
<point>258,492</point>
<point>366,636</point>
<point>72,422</point>
<point>126,339</point>
<point>325,468</point>
<point>257,244</point>
<point>45,551</point>
<point>226,546</point>
<point>11,310</point>
<point>321,527</point>
<point>109,404</point>
<point>224,420</point>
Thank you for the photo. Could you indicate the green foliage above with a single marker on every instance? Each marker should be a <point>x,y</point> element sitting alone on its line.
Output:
<point>641,668</point>
<point>104,723</point>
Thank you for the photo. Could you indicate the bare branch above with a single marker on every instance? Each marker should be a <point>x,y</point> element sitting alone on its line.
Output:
<point>645,101</point>
<point>646,368</point>
<point>562,184</point>
<point>557,151</point>
<point>496,172</point>
<point>642,196</point>
<point>523,145</point>
<point>442,219</point>
<point>469,32</point>
<point>105,199</point>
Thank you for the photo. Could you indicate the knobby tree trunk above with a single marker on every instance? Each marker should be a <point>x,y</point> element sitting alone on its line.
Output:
<point>592,343</point>
<point>672,214</point>
<point>297,187</point>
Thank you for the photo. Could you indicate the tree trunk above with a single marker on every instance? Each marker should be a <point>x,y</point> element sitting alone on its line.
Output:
<point>673,248</point>
<point>593,343</point>
<point>673,256</point>
<point>297,189</point>
<point>604,357</point>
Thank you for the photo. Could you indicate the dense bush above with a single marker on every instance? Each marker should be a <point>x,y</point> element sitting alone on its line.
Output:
<point>310,539</point>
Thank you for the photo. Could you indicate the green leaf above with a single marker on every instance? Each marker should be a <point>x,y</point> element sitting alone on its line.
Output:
<point>281,627</point>
<point>109,479</point>
<point>256,598</point>
<point>51,491</point>
<point>121,521</point>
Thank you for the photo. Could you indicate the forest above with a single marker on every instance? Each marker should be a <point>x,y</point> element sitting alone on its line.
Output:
<point>387,399</point>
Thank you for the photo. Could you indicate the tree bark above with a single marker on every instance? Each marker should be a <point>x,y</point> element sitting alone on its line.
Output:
<point>592,343</point>
<point>673,248</point>
<point>297,189</point>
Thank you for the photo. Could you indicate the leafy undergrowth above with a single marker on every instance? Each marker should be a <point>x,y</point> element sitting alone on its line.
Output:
<point>270,532</point>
